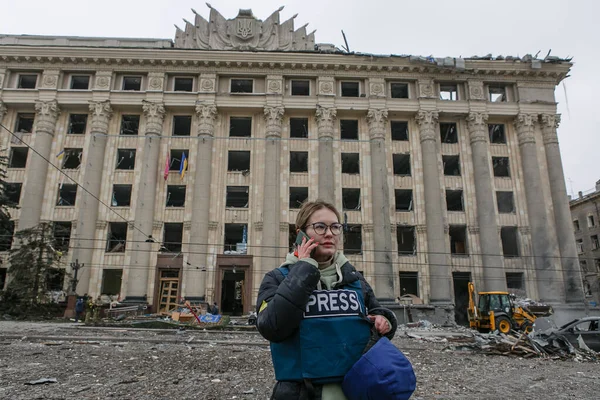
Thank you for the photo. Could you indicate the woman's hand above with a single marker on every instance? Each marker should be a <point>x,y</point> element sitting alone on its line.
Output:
<point>306,248</point>
<point>381,324</point>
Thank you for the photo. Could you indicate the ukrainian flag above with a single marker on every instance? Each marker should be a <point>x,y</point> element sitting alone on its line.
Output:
<point>61,154</point>
<point>183,166</point>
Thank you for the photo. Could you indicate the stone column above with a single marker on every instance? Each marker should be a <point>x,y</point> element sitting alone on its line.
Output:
<point>3,110</point>
<point>545,262</point>
<point>492,256</point>
<point>562,215</point>
<point>440,276</point>
<point>325,118</point>
<point>137,282</point>
<point>198,249</point>
<point>37,166</point>
<point>87,204</point>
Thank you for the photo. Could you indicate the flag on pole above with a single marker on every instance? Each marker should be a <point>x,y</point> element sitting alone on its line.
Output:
<point>183,166</point>
<point>166,174</point>
<point>61,154</point>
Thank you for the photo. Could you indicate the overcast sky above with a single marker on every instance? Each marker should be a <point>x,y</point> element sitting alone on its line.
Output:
<point>426,27</point>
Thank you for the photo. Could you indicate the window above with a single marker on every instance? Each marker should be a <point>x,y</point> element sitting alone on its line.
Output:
<point>506,202</point>
<point>80,82</point>
<point>514,280</point>
<point>401,164</point>
<point>241,85</point>
<point>300,88</point>
<point>448,91</point>
<point>237,197</point>
<point>510,241</point>
<point>111,281</point>
<point>497,94</point>
<point>350,89</point>
<point>27,81</point>
<point>298,161</point>
<point>595,242</point>
<point>399,90</point>
<point>497,133</point>
<point>597,261</point>
<point>3,273</point>
<point>448,132</point>
<point>579,243</point>
<point>576,225</point>
<point>61,232</point>
<point>173,236</point>
<point>458,239</point>
<point>591,221</point>
<point>77,124</point>
<point>13,193</point>
<point>349,129</point>
<point>236,238</point>
<point>451,165</point>
<point>353,240</point>
<point>240,126</point>
<point>183,84</point>
<point>501,166</point>
<point>121,196</point>
<point>405,236</point>
<point>409,283</point>
<point>299,127</point>
<point>182,125</point>
<point>404,200</point>
<point>24,123</point>
<point>67,194</point>
<point>6,238</point>
<point>55,279</point>
<point>238,161</point>
<point>130,124</point>
<point>18,157</point>
<point>350,163</point>
<point>176,157</point>
<point>298,195</point>
<point>583,265</point>
<point>399,130</point>
<point>350,199</point>
<point>117,237</point>
<point>176,195</point>
<point>72,158</point>
<point>454,200</point>
<point>132,83</point>
<point>125,159</point>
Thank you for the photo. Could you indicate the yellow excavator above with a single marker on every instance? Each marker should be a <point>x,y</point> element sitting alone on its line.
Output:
<point>497,311</point>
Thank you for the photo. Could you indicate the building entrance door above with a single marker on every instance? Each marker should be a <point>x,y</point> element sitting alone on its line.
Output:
<point>232,292</point>
<point>169,290</point>
<point>233,284</point>
<point>461,297</point>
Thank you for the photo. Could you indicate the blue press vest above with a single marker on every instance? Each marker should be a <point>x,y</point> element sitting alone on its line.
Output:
<point>330,339</point>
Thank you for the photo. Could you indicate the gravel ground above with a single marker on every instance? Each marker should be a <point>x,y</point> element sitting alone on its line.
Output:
<point>97,363</point>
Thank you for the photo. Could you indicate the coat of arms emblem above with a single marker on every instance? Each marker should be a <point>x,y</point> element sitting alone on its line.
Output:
<point>244,28</point>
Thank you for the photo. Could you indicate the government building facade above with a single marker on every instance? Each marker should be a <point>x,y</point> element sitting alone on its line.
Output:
<point>176,168</point>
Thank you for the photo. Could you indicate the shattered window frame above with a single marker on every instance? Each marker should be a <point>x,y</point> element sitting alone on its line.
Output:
<point>591,222</point>
<point>449,132</point>
<point>401,164</point>
<point>6,239</point>
<point>302,90</point>
<point>240,126</point>
<point>112,280</point>
<point>183,84</point>
<point>579,244</point>
<point>457,247</point>
<point>55,279</point>
<point>298,195</point>
<point>455,201</point>
<point>232,163</point>
<point>449,92</point>
<point>509,238</point>
<point>61,235</point>
<point>299,161</point>
<point>77,124</point>
<point>576,225</point>
<point>497,94</point>
<point>497,133</point>
<point>351,199</point>
<point>399,131</point>
<point>182,125</point>
<point>25,123</point>
<point>132,83</point>
<point>72,158</point>
<point>353,240</point>
<point>121,195</point>
<point>116,238</point>
<point>237,196</point>
<point>18,157</point>
<point>130,125</point>
<point>175,159</point>
<point>123,155</point>
<point>179,201</point>
<point>233,234</point>
<point>505,198</point>
<point>298,127</point>
<point>406,240</point>
<point>595,242</point>
<point>80,82</point>
<point>411,281</point>
<point>349,129</point>
<point>67,195</point>
<point>501,167</point>
<point>172,237</point>
<point>348,160</point>
<point>27,81</point>
<point>241,85</point>
<point>399,90</point>
<point>515,280</point>
<point>451,164</point>
<point>350,89</point>
<point>13,192</point>
<point>400,200</point>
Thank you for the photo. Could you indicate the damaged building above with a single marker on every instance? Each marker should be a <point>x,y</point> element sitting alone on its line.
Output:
<point>196,154</point>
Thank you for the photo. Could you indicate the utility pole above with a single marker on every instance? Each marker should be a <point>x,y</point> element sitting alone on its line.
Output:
<point>75,266</point>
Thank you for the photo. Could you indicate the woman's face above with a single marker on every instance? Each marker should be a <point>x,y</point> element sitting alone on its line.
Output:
<point>328,242</point>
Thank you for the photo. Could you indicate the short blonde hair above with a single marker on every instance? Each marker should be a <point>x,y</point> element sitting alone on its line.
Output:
<point>309,207</point>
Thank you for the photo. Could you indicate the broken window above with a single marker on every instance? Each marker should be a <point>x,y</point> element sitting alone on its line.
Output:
<point>55,279</point>
<point>576,225</point>
<point>80,82</point>
<point>298,195</point>
<point>350,163</point>
<point>238,161</point>
<point>590,221</point>
<point>353,240</point>
<point>77,124</point>
<point>13,193</point>
<point>6,238</point>
<point>506,202</point>
<point>579,243</point>
<point>404,199</point>
<point>72,158</point>
<point>448,132</point>
<point>132,83</point>
<point>176,195</point>
<point>458,239</point>
<point>401,164</point>
<point>454,200</point>
<point>241,85</point>
<point>67,194</point>
<point>27,81</point>
<point>176,157</point>
<point>597,261</point>
<point>173,236</point>
<point>125,159</point>
<point>24,123</point>
<point>121,196</point>
<point>405,236</point>
<point>515,281</point>
<point>117,237</point>
<point>349,129</point>
<point>399,130</point>
<point>497,93</point>
<point>399,90</point>
<point>182,125</point>
<point>409,283</point>
<point>350,89</point>
<point>497,133</point>
<point>299,127</point>
<point>236,238</point>
<point>237,197</point>
<point>595,242</point>
<point>501,166</point>
<point>350,199</point>
<point>583,265</point>
<point>183,84</point>
<point>300,87</point>
<point>448,91</point>
<point>510,241</point>
<point>240,126</point>
<point>3,273</point>
<point>18,157</point>
<point>111,281</point>
<point>451,165</point>
<point>298,161</point>
<point>61,232</point>
<point>130,124</point>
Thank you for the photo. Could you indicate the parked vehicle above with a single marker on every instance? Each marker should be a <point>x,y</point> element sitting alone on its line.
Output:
<point>588,328</point>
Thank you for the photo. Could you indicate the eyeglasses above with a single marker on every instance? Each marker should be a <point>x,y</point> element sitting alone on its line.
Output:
<point>320,228</point>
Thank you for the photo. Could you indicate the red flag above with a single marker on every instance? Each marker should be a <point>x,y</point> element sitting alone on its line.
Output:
<point>166,175</point>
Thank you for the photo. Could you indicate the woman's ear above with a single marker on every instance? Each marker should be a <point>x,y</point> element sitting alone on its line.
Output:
<point>297,231</point>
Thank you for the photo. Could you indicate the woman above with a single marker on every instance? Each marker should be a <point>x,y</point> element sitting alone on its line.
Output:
<point>317,311</point>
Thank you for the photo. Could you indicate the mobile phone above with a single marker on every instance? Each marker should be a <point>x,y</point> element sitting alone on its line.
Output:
<point>299,237</point>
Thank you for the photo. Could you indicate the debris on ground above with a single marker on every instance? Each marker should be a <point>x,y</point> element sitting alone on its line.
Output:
<point>42,381</point>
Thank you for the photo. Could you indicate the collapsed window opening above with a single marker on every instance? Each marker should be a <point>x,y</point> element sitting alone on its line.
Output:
<point>236,238</point>
<point>111,281</point>
<point>298,161</point>
<point>132,83</point>
<point>349,129</point>
<point>67,194</point>
<point>506,202</point>
<point>291,238</point>
<point>576,225</point>
<point>182,125</point>
<point>300,87</point>
<point>77,124</point>
<point>350,89</point>
<point>80,82</point>
<point>454,200</point>
<point>130,124</point>
<point>448,132</point>
<point>497,94</point>
<point>409,283</point>
<point>406,238</point>
<point>240,126</point>
<point>399,130</point>
<point>451,165</point>
<point>125,159</point>
<point>298,195</point>
<point>350,163</point>
<point>241,85</point>
<point>404,199</point>
<point>72,158</point>
<point>61,232</point>
<point>399,90</point>
<point>501,166</point>
<point>299,127</point>
<point>173,237</point>
<point>448,92</point>
<point>3,273</point>
<point>515,283</point>
<point>401,164</point>
<point>176,157</point>
<point>497,133</point>
<point>591,221</point>
<point>55,279</point>
<point>117,237</point>
<point>351,199</point>
<point>183,84</point>
<point>176,195</point>
<point>583,265</point>
<point>121,196</point>
<point>579,243</point>
<point>458,239</point>
<point>353,240</point>
<point>597,262</point>
<point>595,242</point>
<point>6,238</point>
<point>18,157</point>
<point>238,161</point>
<point>24,123</point>
<point>510,241</point>
<point>13,193</point>
<point>237,197</point>
<point>27,81</point>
